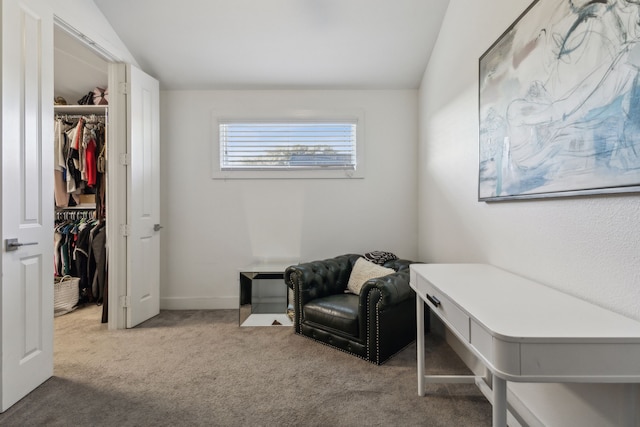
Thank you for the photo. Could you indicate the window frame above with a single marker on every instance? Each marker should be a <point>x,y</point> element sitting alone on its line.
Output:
<point>297,116</point>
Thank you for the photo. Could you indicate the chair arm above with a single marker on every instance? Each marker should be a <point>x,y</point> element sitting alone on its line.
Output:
<point>393,288</point>
<point>318,279</point>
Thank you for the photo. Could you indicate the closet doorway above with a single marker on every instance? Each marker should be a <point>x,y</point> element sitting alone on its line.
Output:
<point>80,199</point>
<point>131,211</point>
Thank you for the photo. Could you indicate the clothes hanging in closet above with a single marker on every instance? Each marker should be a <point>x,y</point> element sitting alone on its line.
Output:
<point>80,251</point>
<point>79,150</point>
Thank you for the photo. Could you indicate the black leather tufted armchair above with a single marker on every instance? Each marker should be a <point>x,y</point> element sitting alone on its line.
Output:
<point>374,325</point>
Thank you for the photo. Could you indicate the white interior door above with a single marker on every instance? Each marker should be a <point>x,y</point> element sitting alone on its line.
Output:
<point>143,197</point>
<point>27,198</point>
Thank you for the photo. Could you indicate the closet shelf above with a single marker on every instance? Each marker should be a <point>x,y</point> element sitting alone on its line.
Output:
<point>81,109</point>
<point>84,206</point>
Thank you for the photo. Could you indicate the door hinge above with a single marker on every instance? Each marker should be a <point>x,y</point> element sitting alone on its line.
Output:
<point>124,88</point>
<point>125,159</point>
<point>125,301</point>
<point>124,230</point>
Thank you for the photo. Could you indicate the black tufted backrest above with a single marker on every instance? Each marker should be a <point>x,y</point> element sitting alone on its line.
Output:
<point>321,278</point>
<point>398,264</point>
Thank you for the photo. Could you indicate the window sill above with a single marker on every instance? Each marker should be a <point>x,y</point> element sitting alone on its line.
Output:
<point>287,174</point>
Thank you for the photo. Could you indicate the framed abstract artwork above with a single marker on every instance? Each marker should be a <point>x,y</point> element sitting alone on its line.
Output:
<point>559,102</point>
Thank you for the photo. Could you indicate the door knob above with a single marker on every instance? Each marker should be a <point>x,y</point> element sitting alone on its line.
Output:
<point>13,244</point>
<point>157,227</point>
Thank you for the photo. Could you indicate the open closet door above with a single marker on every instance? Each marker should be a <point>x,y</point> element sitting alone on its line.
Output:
<point>26,307</point>
<point>143,197</point>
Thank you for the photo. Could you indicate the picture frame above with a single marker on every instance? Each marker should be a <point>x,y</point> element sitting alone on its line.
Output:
<point>559,102</point>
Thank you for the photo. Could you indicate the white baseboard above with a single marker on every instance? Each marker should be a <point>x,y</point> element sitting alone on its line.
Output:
<point>199,303</point>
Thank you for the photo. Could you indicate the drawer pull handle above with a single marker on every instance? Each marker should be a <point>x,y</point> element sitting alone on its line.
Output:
<point>435,301</point>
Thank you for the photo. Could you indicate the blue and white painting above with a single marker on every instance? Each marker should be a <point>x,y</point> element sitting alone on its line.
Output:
<point>560,102</point>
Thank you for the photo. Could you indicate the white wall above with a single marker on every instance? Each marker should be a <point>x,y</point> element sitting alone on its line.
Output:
<point>589,247</point>
<point>214,227</point>
<point>85,18</point>
<point>76,68</point>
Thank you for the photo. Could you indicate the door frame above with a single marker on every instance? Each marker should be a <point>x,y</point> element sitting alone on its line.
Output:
<point>116,200</point>
<point>117,228</point>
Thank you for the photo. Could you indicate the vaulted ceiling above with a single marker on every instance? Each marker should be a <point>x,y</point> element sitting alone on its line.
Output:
<point>279,44</point>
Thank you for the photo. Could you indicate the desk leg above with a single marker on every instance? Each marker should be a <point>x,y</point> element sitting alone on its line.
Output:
<point>499,402</point>
<point>420,343</point>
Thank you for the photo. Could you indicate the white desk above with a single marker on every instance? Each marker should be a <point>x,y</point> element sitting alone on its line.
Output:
<point>524,331</point>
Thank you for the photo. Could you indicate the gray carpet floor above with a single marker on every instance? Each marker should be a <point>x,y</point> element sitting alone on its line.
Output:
<point>199,368</point>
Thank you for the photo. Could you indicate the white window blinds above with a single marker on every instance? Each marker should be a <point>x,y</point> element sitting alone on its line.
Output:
<point>255,145</point>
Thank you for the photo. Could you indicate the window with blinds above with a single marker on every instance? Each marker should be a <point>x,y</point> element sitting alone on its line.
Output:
<point>287,145</point>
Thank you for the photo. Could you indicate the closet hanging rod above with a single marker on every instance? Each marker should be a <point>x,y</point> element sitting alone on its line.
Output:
<point>78,116</point>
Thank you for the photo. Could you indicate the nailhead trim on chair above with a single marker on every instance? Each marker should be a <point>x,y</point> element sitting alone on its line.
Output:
<point>296,293</point>
<point>368,340</point>
<point>378,331</point>
<point>354,354</point>
<point>334,347</point>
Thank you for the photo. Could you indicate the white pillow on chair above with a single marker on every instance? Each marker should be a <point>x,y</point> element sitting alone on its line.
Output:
<point>364,270</point>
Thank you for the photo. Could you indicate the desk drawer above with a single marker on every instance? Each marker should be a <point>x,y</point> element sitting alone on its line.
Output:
<point>444,308</point>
